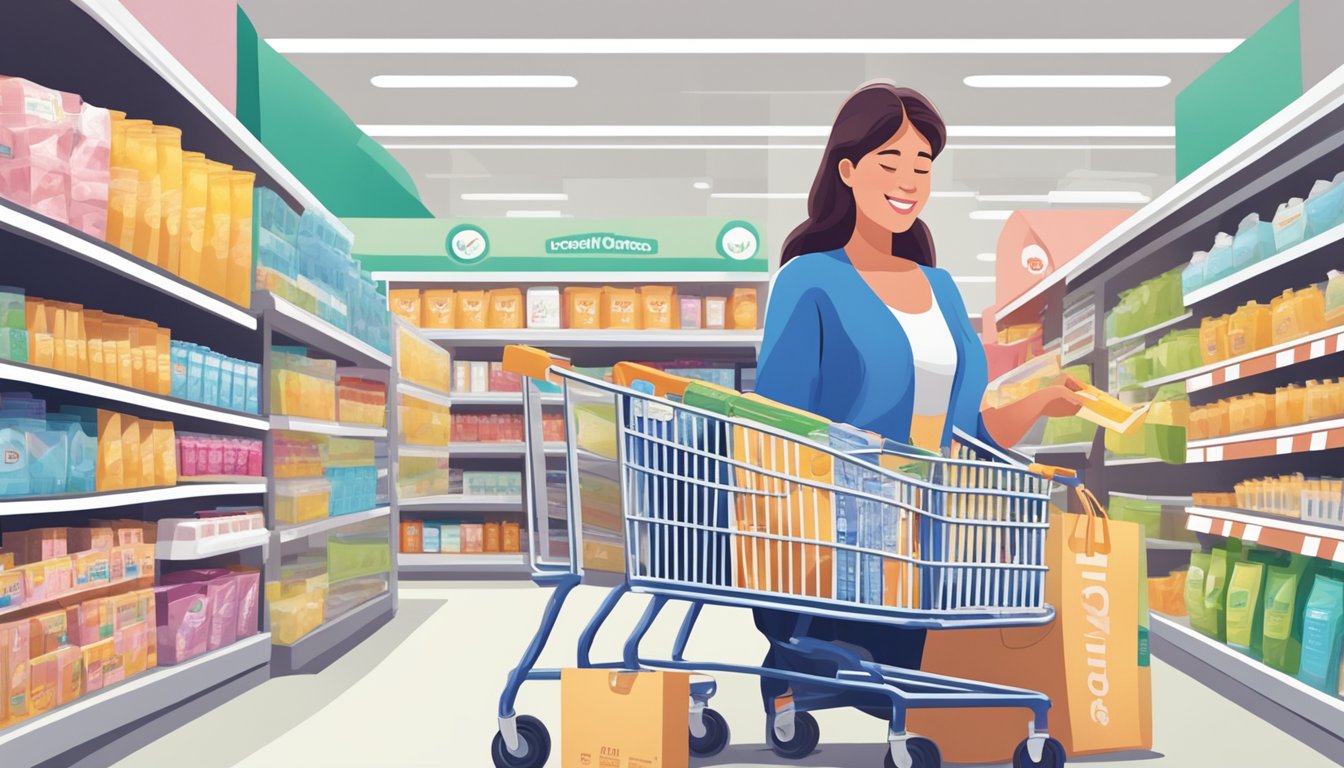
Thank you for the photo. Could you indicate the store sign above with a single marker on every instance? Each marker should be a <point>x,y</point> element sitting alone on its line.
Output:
<point>739,241</point>
<point>601,243</point>
<point>1035,260</point>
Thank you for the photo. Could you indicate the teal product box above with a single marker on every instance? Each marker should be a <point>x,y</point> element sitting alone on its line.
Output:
<point>253,374</point>
<point>210,379</point>
<point>238,400</point>
<point>450,537</point>
<point>14,344</point>
<point>225,382</point>
<point>179,373</point>
<point>13,311</point>
<point>429,539</point>
<point>196,374</point>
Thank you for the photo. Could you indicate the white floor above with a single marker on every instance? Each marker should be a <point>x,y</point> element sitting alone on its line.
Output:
<point>423,692</point>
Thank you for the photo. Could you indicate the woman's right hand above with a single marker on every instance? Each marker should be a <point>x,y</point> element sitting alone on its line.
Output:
<point>1060,399</point>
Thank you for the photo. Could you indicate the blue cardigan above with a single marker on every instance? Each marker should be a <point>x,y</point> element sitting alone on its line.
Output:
<point>833,347</point>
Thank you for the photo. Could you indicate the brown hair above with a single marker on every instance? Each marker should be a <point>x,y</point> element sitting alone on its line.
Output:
<point>867,120</point>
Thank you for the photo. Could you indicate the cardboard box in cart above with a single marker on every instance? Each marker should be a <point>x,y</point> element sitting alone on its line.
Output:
<point>624,719</point>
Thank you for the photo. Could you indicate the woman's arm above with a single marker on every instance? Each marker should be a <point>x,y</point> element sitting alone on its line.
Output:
<point>789,370</point>
<point>1008,424</point>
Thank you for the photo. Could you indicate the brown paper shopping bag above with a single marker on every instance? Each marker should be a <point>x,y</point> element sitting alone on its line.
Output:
<point>624,719</point>
<point>1091,660</point>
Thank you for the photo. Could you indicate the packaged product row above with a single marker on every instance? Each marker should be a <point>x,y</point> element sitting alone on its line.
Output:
<point>1287,406</point>
<point>218,456</point>
<point>1286,611</point>
<point>306,260</point>
<point>422,362</point>
<point>129,182</point>
<point>475,377</point>
<point>422,476</point>
<point>1162,430</point>
<point>48,453</point>
<point>1289,316</point>
<point>1316,500</point>
<point>455,537</point>
<point>423,422</point>
<point>301,385</point>
<point>361,401</point>
<point>651,307</point>
<point>120,350</point>
<point>319,476</point>
<point>323,582</point>
<point>486,483</point>
<point>503,427</point>
<point>211,523</point>
<point>203,609</point>
<point>1148,304</point>
<point>1158,521</point>
<point>478,377</point>
<point>44,565</point>
<point>1256,240</point>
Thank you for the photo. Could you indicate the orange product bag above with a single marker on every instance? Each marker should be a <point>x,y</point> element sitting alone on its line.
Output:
<point>195,202</point>
<point>41,340</point>
<point>218,228</point>
<point>121,195</point>
<point>142,154</point>
<point>436,308</point>
<point>110,474</point>
<point>238,279</point>
<point>658,304</point>
<point>620,309</point>
<point>582,308</point>
<point>743,310</point>
<point>168,142</point>
<point>506,308</point>
<point>405,303</point>
<point>623,718</point>
<point>93,330</point>
<point>471,309</point>
<point>1091,660</point>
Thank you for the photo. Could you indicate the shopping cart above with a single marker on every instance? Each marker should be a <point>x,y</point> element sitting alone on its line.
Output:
<point>711,505</point>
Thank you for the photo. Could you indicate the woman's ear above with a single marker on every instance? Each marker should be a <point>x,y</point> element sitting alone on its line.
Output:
<point>846,168</point>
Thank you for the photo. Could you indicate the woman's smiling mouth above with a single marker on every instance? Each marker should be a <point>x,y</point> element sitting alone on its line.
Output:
<point>901,206</point>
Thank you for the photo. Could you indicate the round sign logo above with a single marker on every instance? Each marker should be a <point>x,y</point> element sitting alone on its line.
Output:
<point>468,243</point>
<point>738,241</point>
<point>1035,260</point>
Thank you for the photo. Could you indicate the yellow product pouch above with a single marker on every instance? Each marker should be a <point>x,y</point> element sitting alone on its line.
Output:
<point>471,310</point>
<point>41,341</point>
<point>436,308</point>
<point>195,196</point>
<point>109,475</point>
<point>659,306</point>
<point>218,228</point>
<point>743,309</point>
<point>121,185</point>
<point>168,141</point>
<point>405,303</point>
<point>582,308</point>
<point>506,308</point>
<point>163,343</point>
<point>147,453</point>
<point>93,329</point>
<point>142,154</point>
<point>620,309</point>
<point>238,280</point>
<point>56,322</point>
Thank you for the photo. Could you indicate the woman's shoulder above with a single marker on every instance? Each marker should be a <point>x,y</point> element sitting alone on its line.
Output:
<point>811,266</point>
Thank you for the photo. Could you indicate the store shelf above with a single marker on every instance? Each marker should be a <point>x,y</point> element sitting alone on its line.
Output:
<point>1070,448</point>
<point>291,321</point>
<point>84,502</point>
<point>572,278</point>
<point>1166,501</point>
<point>1301,250</point>
<point>1282,533</point>
<point>1149,331</point>
<point>486,450</point>
<point>1132,461</point>
<point>424,451</point>
<point>115,393</point>
<point>332,639</point>
<point>123,25</point>
<point>62,238</point>
<point>294,532</point>
<point>99,589</point>
<point>1235,669</point>
<point>111,709</point>
<point>502,398</point>
<point>1299,438</point>
<point>423,393</point>
<point>580,338</point>
<point>1308,348</point>
<point>1318,104</point>
<point>1170,546</point>
<point>448,565</point>
<point>211,546</point>
<point>456,502</point>
<point>333,428</point>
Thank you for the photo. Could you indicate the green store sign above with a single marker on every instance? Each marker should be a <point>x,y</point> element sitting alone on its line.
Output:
<point>606,243</point>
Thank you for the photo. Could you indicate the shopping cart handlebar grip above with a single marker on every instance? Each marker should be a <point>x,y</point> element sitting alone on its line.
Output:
<point>1062,475</point>
<point>664,383</point>
<point>531,362</point>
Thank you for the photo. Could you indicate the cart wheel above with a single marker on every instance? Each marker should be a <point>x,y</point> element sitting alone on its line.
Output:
<point>923,754</point>
<point>715,738</point>
<point>534,735</point>
<point>1052,756</point>
<point>806,734</point>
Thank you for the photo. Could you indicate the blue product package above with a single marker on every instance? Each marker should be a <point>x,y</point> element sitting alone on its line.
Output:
<point>196,374</point>
<point>48,457</point>
<point>429,538</point>
<point>1325,205</point>
<point>1254,242</point>
<point>225,399</point>
<point>1322,620</point>
<point>253,374</point>
<point>14,480</point>
<point>1290,224</point>
<point>1193,276</point>
<point>179,360</point>
<point>14,344</point>
<point>238,400</point>
<point>859,521</point>
<point>210,379</point>
<point>1219,263</point>
<point>82,458</point>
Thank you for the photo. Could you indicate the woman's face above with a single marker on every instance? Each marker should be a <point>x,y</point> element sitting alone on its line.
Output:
<point>891,184</point>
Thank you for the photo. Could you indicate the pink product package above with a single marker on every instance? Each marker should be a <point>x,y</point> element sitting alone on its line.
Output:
<point>214,452</point>
<point>35,144</point>
<point>223,596</point>
<point>186,455</point>
<point>183,620</point>
<point>249,605</point>
<point>254,458</point>
<point>90,158</point>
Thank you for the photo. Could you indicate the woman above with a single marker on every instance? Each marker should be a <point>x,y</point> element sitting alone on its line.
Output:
<point>864,329</point>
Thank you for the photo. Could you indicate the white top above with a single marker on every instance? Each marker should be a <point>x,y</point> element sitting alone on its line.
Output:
<point>935,356</point>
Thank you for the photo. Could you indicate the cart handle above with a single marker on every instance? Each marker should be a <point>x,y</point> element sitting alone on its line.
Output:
<point>625,374</point>
<point>532,362</point>
<point>1050,473</point>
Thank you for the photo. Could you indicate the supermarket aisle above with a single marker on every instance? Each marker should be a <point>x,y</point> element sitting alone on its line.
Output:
<point>422,692</point>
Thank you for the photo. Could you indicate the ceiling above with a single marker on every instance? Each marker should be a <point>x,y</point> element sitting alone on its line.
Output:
<point>615,144</point>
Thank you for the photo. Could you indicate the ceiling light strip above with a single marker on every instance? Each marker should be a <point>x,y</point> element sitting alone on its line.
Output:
<point>1067,81</point>
<point>762,131</point>
<point>711,46</point>
<point>514,196</point>
<point>473,81</point>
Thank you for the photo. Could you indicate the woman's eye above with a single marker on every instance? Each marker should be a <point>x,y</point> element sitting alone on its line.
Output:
<point>922,170</point>
<point>887,168</point>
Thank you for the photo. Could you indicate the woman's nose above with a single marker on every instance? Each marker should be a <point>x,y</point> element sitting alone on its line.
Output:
<point>907,188</point>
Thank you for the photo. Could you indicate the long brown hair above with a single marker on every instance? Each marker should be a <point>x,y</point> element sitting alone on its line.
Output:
<point>869,118</point>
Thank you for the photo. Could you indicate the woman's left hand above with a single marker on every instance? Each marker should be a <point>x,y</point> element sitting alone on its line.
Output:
<point>1059,399</point>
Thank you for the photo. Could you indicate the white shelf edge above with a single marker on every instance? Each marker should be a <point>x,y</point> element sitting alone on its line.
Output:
<point>1239,359</point>
<point>67,382</point>
<point>423,393</point>
<point>451,558</point>
<point>1144,333</point>
<point>125,27</point>
<point>280,306</point>
<point>562,277</point>
<point>19,220</point>
<point>1269,521</point>
<point>1267,434</point>
<point>1320,100</point>
<point>290,533</point>
<point>1128,461</point>
<point>460,501</point>
<point>110,499</point>
<point>571,337</point>
<point>1173,546</point>
<point>320,427</point>
<point>211,546</point>
<point>1302,249</point>
<point>1030,450</point>
<point>493,449</point>
<point>1166,501</point>
<point>423,451</point>
<point>501,398</point>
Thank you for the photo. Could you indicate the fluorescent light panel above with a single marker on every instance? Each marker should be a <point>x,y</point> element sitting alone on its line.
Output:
<point>1067,81</point>
<point>514,196</point>
<point>990,257</point>
<point>474,81</point>
<point>701,185</point>
<point>1012,198</point>
<point>710,46</point>
<point>533,214</point>
<point>991,215</point>
<point>754,131</point>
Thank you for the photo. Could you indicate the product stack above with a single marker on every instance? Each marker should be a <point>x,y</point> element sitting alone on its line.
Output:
<point>1289,316</point>
<point>577,307</point>
<point>329,578</point>
<point>319,476</point>
<point>432,537</point>
<point>1287,406</point>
